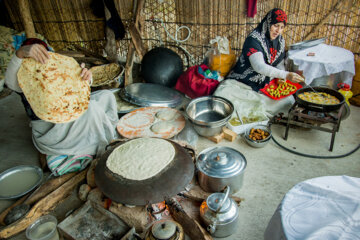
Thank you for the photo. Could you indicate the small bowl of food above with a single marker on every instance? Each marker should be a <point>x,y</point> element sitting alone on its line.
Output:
<point>258,136</point>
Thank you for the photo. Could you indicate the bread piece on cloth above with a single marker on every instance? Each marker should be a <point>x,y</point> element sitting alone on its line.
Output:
<point>55,90</point>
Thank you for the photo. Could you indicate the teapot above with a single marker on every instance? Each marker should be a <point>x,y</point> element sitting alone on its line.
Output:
<point>220,214</point>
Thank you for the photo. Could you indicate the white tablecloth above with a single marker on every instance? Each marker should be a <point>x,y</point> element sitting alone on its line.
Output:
<point>327,60</point>
<point>320,208</point>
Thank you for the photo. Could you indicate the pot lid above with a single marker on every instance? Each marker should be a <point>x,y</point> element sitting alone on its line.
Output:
<point>214,202</point>
<point>163,229</point>
<point>221,162</point>
<point>150,94</point>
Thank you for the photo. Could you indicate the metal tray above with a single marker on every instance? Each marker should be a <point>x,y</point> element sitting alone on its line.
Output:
<point>307,44</point>
<point>169,182</point>
<point>151,95</point>
<point>120,102</point>
<point>20,170</point>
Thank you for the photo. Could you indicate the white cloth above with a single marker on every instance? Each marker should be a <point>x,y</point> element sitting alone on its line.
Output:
<point>327,60</point>
<point>258,64</point>
<point>249,103</point>
<point>320,208</point>
<point>10,74</point>
<point>88,134</point>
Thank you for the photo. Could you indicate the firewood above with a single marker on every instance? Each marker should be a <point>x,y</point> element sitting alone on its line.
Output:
<point>191,227</point>
<point>196,193</point>
<point>217,138</point>
<point>229,135</point>
<point>83,192</point>
<point>44,190</point>
<point>90,176</point>
<point>96,196</point>
<point>43,207</point>
<point>136,216</point>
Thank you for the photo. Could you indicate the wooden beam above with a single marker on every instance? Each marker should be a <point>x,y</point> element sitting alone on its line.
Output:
<point>26,18</point>
<point>324,20</point>
<point>45,189</point>
<point>191,226</point>
<point>110,47</point>
<point>43,207</point>
<point>131,51</point>
<point>136,40</point>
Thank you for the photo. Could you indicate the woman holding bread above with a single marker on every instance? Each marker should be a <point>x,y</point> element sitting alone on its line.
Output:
<point>69,124</point>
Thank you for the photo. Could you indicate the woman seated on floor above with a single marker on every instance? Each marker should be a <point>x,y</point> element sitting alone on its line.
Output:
<point>262,59</point>
<point>72,145</point>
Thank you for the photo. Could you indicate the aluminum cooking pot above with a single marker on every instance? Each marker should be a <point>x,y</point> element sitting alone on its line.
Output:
<point>220,214</point>
<point>219,167</point>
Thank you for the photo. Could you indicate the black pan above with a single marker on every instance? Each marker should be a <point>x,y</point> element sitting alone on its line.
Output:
<point>169,182</point>
<point>320,107</point>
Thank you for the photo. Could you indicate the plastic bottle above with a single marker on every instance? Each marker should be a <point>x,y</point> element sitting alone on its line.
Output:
<point>208,73</point>
<point>345,90</point>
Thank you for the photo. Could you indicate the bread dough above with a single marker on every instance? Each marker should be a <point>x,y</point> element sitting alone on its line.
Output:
<point>162,127</point>
<point>141,158</point>
<point>166,115</point>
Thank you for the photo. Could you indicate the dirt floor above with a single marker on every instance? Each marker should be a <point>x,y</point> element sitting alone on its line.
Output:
<point>270,173</point>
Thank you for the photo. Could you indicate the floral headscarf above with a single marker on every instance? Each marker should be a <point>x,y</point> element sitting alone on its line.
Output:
<point>259,41</point>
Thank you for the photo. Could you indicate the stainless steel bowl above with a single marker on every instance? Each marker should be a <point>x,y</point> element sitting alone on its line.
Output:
<point>209,114</point>
<point>258,143</point>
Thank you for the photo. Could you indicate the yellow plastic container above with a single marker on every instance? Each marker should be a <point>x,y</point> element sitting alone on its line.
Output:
<point>345,90</point>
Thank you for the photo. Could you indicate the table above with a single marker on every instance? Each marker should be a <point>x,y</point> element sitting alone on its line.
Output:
<point>327,60</point>
<point>319,208</point>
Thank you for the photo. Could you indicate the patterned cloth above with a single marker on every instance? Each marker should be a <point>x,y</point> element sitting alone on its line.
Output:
<point>10,41</point>
<point>259,41</point>
<point>62,164</point>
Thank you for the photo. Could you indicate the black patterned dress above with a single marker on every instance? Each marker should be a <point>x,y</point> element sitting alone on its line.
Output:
<point>259,41</point>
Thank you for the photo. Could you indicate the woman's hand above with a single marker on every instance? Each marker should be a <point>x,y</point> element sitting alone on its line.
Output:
<point>294,77</point>
<point>86,74</point>
<point>35,51</point>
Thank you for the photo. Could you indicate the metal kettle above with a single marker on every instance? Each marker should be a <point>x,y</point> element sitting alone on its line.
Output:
<point>220,214</point>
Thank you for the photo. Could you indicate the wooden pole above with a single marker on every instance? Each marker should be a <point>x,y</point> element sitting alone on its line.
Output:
<point>110,47</point>
<point>131,51</point>
<point>26,18</point>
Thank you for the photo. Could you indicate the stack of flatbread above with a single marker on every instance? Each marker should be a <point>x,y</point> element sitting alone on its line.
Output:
<point>55,90</point>
<point>105,74</point>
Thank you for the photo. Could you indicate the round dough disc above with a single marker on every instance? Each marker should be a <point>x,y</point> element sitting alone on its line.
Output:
<point>166,115</point>
<point>162,127</point>
<point>141,158</point>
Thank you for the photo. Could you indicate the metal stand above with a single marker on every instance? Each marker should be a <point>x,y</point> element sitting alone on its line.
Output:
<point>297,117</point>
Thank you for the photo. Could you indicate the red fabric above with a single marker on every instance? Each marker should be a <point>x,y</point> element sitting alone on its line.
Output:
<point>30,41</point>
<point>273,53</point>
<point>281,16</point>
<point>194,84</point>
<point>251,51</point>
<point>251,8</point>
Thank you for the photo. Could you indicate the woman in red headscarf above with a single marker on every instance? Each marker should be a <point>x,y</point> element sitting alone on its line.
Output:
<point>263,53</point>
<point>261,60</point>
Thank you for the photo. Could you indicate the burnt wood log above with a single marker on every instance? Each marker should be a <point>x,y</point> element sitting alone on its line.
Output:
<point>191,226</point>
<point>44,190</point>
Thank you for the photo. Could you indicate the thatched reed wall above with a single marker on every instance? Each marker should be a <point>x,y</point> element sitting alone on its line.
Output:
<point>66,23</point>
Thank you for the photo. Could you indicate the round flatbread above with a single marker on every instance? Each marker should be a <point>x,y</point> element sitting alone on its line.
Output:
<point>163,127</point>
<point>55,90</point>
<point>166,115</point>
<point>141,158</point>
